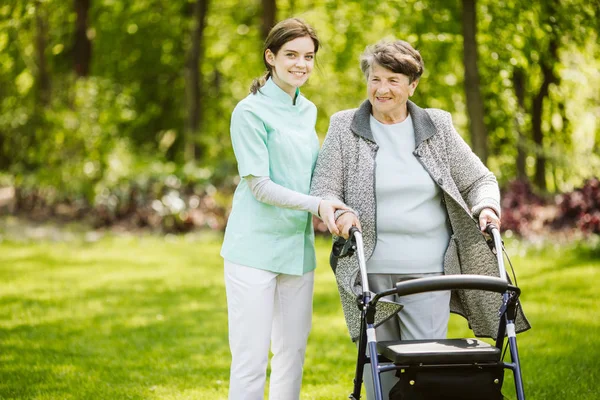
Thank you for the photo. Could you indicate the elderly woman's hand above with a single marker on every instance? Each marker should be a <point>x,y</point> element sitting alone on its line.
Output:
<point>347,221</point>
<point>488,216</point>
<point>327,209</point>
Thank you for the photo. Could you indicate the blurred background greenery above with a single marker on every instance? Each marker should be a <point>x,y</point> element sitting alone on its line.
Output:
<point>117,112</point>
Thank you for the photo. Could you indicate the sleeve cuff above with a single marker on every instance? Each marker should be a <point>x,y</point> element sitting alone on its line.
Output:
<point>313,206</point>
<point>339,213</point>
<point>487,203</point>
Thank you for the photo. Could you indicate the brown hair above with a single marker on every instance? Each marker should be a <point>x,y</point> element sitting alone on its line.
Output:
<point>399,57</point>
<point>280,34</point>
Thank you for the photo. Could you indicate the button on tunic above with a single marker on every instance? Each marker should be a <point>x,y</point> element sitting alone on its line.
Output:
<point>272,137</point>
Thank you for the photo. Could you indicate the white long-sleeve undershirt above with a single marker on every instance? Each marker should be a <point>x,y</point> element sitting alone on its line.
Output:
<point>268,192</point>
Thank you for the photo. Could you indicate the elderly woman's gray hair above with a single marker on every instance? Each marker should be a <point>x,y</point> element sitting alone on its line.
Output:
<point>398,56</point>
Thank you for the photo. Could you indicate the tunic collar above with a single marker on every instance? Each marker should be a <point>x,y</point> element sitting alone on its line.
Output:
<point>271,90</point>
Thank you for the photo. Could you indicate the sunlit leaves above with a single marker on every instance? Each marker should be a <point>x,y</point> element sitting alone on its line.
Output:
<point>136,92</point>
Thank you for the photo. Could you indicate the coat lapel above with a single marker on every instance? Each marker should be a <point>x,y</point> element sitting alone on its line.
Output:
<point>422,123</point>
<point>433,162</point>
<point>361,122</point>
<point>424,127</point>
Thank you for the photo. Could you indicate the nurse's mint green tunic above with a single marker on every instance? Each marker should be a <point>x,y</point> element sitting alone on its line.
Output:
<point>272,137</point>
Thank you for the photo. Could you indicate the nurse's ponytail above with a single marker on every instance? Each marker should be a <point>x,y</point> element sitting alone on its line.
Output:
<point>260,82</point>
<point>285,31</point>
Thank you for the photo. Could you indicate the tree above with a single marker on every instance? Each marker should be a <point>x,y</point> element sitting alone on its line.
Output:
<point>528,71</point>
<point>194,78</point>
<point>519,86</point>
<point>269,14</point>
<point>82,47</point>
<point>475,108</point>
<point>41,43</point>
<point>549,77</point>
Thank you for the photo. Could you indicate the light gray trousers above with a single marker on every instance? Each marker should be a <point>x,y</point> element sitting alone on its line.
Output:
<point>424,316</point>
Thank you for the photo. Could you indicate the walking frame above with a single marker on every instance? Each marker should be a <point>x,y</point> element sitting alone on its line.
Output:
<point>435,355</point>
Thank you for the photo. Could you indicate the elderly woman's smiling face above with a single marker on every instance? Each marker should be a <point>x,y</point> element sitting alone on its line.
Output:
<point>388,92</point>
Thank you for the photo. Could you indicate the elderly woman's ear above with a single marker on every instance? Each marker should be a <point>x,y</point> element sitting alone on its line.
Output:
<point>413,86</point>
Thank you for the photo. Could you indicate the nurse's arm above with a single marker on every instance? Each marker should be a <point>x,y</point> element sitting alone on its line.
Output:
<point>267,191</point>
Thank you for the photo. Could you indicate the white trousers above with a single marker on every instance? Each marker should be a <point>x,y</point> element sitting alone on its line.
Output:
<point>424,316</point>
<point>267,308</point>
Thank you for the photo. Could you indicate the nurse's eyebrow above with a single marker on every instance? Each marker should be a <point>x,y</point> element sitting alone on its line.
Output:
<point>295,52</point>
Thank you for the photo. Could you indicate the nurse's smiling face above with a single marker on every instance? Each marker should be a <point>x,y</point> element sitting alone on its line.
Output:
<point>292,64</point>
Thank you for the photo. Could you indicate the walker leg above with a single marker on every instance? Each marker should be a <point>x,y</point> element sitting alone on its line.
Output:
<point>514,355</point>
<point>360,361</point>
<point>374,363</point>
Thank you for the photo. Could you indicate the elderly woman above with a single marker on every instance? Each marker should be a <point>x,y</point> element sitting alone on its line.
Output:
<point>422,197</point>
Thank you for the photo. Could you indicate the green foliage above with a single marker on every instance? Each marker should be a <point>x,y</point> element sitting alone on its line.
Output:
<point>516,36</point>
<point>60,132</point>
<point>66,145</point>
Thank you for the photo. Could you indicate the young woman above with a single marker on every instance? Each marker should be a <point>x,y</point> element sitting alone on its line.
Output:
<point>269,241</point>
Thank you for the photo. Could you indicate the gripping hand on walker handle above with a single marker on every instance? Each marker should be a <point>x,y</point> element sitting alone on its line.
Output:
<point>327,209</point>
<point>487,216</point>
<point>347,221</point>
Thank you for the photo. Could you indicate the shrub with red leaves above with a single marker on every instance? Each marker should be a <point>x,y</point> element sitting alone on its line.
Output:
<point>580,208</point>
<point>523,211</point>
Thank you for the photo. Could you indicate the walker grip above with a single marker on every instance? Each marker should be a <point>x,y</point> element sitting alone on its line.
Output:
<point>352,231</point>
<point>343,247</point>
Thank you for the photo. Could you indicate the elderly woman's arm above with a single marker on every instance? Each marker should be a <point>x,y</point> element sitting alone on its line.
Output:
<point>476,183</point>
<point>328,177</point>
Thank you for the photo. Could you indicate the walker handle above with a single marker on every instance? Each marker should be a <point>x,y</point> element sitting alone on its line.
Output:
<point>352,231</point>
<point>494,232</point>
<point>356,236</point>
<point>449,282</point>
<point>344,247</point>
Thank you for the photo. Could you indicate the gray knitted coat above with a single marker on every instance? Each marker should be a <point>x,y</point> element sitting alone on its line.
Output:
<point>345,171</point>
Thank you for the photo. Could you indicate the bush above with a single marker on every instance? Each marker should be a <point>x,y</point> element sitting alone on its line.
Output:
<point>580,208</point>
<point>523,211</point>
<point>133,192</point>
<point>164,196</point>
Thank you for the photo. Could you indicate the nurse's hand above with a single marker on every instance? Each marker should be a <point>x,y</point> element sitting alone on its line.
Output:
<point>347,221</point>
<point>327,209</point>
<point>488,216</point>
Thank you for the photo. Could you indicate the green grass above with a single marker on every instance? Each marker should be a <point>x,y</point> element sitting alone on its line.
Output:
<point>145,318</point>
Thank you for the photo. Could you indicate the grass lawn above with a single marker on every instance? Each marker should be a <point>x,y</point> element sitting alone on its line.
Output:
<point>145,318</point>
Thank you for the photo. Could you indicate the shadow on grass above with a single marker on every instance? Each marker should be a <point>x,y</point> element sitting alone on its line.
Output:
<point>116,343</point>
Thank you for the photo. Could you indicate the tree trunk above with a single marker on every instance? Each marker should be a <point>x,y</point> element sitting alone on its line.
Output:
<point>5,160</point>
<point>82,49</point>
<point>41,41</point>
<point>268,16</point>
<point>474,100</point>
<point>537,111</point>
<point>194,78</point>
<point>560,165</point>
<point>519,85</point>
